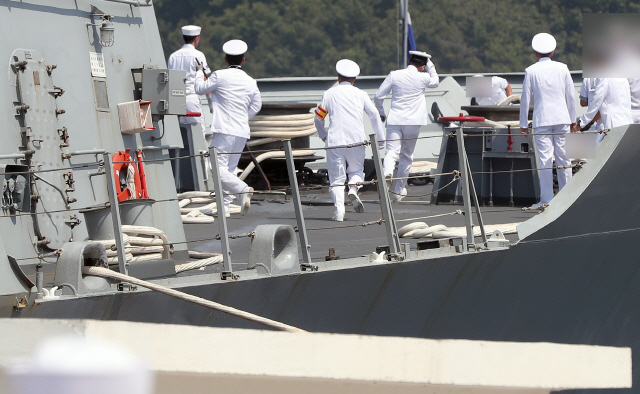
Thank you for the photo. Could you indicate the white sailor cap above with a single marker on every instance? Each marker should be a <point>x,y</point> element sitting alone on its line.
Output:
<point>420,54</point>
<point>191,30</point>
<point>348,68</point>
<point>543,43</point>
<point>235,47</point>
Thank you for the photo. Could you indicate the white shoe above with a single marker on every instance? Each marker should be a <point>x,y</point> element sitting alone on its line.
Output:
<point>338,216</point>
<point>244,200</point>
<point>355,200</point>
<point>399,197</point>
<point>538,205</point>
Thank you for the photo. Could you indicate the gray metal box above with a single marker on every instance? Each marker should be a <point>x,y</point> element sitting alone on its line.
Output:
<point>166,89</point>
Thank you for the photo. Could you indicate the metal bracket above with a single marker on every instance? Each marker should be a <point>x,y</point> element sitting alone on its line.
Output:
<point>21,302</point>
<point>229,275</point>
<point>310,267</point>
<point>126,287</point>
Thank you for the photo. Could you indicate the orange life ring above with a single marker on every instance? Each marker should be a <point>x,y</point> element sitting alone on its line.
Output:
<point>121,162</point>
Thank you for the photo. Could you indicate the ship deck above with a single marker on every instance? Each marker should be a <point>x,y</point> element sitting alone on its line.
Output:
<point>346,238</point>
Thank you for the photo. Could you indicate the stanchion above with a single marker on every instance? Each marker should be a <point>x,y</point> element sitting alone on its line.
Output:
<point>227,271</point>
<point>385,204</point>
<point>115,214</point>
<point>295,194</point>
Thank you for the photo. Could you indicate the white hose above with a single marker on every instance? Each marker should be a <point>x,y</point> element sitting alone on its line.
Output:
<point>106,273</point>
<point>423,232</point>
<point>271,155</point>
<point>146,257</point>
<point>196,217</point>
<point>202,255</point>
<point>262,141</point>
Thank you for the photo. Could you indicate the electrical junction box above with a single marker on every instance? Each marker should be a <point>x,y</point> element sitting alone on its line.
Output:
<point>166,90</point>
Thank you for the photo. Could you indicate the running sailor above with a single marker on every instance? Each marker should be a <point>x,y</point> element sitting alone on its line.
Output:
<point>236,99</point>
<point>408,112</point>
<point>344,104</point>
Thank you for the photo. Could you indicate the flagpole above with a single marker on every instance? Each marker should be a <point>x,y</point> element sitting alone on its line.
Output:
<point>405,34</point>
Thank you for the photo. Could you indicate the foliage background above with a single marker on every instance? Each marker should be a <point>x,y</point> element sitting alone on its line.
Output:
<point>304,38</point>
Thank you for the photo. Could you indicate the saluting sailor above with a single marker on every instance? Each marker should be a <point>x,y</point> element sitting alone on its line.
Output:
<point>236,99</point>
<point>550,85</point>
<point>611,100</point>
<point>408,112</point>
<point>186,58</point>
<point>345,104</point>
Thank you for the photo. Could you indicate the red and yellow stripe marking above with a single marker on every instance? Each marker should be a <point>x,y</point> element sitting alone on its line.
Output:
<point>321,112</point>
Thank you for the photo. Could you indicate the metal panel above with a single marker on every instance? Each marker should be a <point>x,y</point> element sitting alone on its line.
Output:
<point>39,127</point>
<point>166,89</point>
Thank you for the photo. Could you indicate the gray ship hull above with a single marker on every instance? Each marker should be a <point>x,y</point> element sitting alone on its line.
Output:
<point>572,278</point>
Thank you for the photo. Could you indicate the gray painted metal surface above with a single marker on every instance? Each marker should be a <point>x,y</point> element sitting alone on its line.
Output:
<point>90,121</point>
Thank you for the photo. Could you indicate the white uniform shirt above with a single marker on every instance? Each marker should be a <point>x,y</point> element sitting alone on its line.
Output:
<point>612,98</point>
<point>587,90</point>
<point>498,85</point>
<point>345,104</point>
<point>184,59</point>
<point>634,85</point>
<point>554,95</point>
<point>408,106</point>
<point>235,97</point>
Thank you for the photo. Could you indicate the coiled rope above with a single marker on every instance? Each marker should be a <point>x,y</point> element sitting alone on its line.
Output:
<point>272,128</point>
<point>438,231</point>
<point>106,273</point>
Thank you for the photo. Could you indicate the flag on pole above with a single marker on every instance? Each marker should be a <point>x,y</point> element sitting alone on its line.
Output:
<point>411,41</point>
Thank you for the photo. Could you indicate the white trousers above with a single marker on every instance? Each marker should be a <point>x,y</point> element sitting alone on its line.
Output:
<point>193,105</point>
<point>400,152</point>
<point>343,164</point>
<point>549,146</point>
<point>231,184</point>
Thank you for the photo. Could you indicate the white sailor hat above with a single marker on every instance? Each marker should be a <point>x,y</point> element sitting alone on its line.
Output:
<point>420,54</point>
<point>235,47</point>
<point>348,68</point>
<point>543,43</point>
<point>191,30</point>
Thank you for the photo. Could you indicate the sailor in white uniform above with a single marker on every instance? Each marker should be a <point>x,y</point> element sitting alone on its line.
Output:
<point>185,59</point>
<point>634,86</point>
<point>550,85</point>
<point>587,90</point>
<point>500,90</point>
<point>236,99</point>
<point>612,100</point>
<point>408,112</point>
<point>345,104</point>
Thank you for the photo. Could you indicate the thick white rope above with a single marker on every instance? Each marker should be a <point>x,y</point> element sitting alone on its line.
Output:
<point>271,155</point>
<point>422,230</point>
<point>263,132</point>
<point>106,273</point>
<point>295,117</point>
<point>194,265</point>
<point>147,230</point>
<point>195,194</point>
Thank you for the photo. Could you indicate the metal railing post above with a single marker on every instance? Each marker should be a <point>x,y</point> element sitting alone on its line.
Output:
<point>385,203</point>
<point>295,194</point>
<point>227,270</point>
<point>464,184</point>
<point>115,214</point>
<point>477,204</point>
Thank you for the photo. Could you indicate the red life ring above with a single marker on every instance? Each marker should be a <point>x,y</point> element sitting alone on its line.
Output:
<point>121,162</point>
